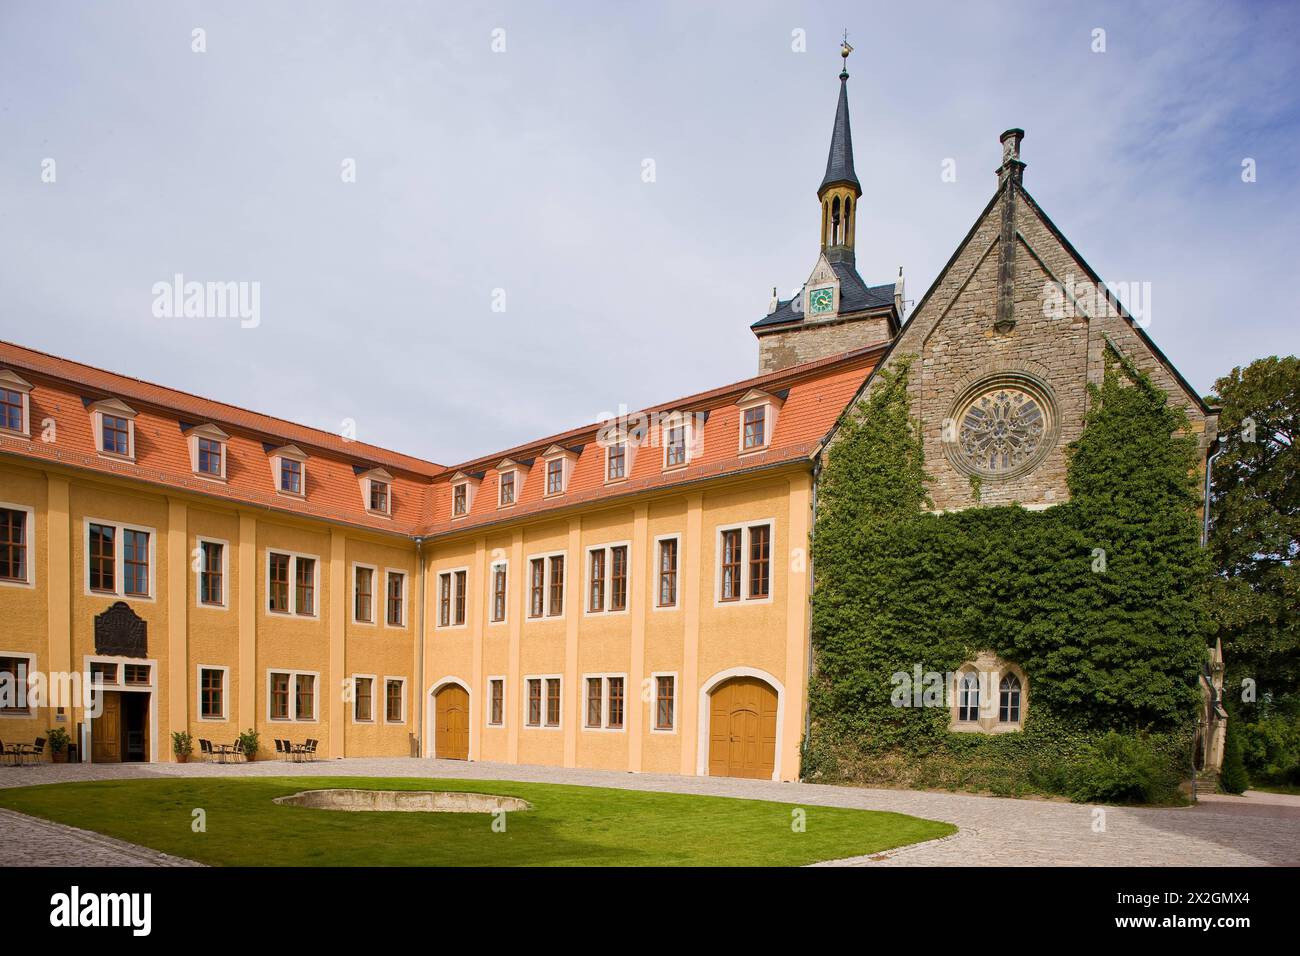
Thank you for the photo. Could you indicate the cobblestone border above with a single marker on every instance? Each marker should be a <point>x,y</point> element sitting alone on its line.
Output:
<point>67,843</point>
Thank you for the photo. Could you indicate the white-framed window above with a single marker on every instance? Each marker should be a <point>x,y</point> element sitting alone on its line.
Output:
<point>507,487</point>
<point>453,593</point>
<point>363,698</point>
<point>211,572</point>
<point>544,701</point>
<point>682,436</point>
<point>604,702</point>
<point>292,583</point>
<point>15,404</point>
<point>758,411</point>
<point>744,563</point>
<point>496,702</point>
<point>464,488</point>
<point>289,471</point>
<point>557,469</point>
<point>498,592</point>
<point>620,455</point>
<point>16,669</point>
<point>394,700</point>
<point>667,579</point>
<point>291,695</point>
<point>114,425</point>
<point>17,545</point>
<point>119,559</point>
<point>214,692</point>
<point>544,594</point>
<point>365,579</point>
<point>663,719</point>
<point>608,578</point>
<point>394,598</point>
<point>207,445</point>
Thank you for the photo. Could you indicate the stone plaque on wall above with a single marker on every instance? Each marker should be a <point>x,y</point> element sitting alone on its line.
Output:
<point>120,632</point>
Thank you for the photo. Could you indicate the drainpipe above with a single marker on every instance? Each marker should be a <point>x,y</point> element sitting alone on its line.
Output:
<point>807,711</point>
<point>1205,513</point>
<point>419,560</point>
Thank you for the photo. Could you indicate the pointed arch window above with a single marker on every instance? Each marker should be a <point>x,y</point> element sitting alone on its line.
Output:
<point>835,221</point>
<point>968,697</point>
<point>1009,700</point>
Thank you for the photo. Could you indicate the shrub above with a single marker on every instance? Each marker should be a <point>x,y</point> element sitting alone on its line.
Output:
<point>1233,777</point>
<point>1119,769</point>
<point>1270,747</point>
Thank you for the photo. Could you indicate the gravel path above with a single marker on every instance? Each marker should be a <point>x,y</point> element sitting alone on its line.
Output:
<point>1257,829</point>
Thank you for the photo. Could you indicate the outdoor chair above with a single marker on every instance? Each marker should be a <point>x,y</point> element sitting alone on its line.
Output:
<point>205,749</point>
<point>31,750</point>
<point>9,751</point>
<point>310,749</point>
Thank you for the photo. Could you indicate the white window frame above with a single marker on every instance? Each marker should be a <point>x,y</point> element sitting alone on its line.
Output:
<point>505,701</point>
<point>293,696</point>
<point>115,408</point>
<point>198,693</point>
<point>374,580</point>
<point>199,541</point>
<point>16,383</point>
<point>604,726</point>
<point>771,405</point>
<point>609,577</point>
<point>470,484</point>
<point>31,711</point>
<point>491,593</point>
<point>744,528</point>
<point>629,457</point>
<point>406,579</point>
<point>368,480</point>
<point>293,453</point>
<point>543,725</point>
<point>547,558</point>
<point>374,681</point>
<point>211,433</point>
<point>294,558</point>
<point>400,680</point>
<point>119,561</point>
<point>654,700</point>
<point>677,596</point>
<point>29,533</point>
<point>517,471</point>
<point>692,439</point>
<point>451,625</point>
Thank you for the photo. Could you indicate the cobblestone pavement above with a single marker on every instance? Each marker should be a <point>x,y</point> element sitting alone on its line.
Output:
<point>1257,829</point>
<point>27,841</point>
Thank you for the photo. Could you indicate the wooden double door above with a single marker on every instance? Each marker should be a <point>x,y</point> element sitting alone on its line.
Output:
<point>121,732</point>
<point>451,723</point>
<point>742,729</point>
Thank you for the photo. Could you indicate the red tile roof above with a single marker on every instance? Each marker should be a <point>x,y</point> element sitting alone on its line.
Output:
<point>421,490</point>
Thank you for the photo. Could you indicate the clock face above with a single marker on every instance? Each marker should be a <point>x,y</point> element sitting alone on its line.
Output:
<point>821,300</point>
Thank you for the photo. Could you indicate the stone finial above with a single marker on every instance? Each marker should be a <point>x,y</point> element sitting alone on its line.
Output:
<point>1011,164</point>
<point>772,305</point>
<point>898,294</point>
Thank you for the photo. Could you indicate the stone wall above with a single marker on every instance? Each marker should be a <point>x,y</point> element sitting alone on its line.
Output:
<point>814,340</point>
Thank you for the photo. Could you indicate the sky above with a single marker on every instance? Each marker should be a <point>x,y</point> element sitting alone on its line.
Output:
<point>472,225</point>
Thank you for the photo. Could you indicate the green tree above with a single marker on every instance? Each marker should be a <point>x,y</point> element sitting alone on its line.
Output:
<point>1255,530</point>
<point>1232,777</point>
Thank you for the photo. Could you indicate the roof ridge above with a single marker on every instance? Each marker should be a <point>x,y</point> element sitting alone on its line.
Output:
<point>430,468</point>
<point>790,373</point>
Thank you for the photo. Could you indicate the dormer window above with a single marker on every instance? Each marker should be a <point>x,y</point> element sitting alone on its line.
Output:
<point>207,451</point>
<point>682,437</point>
<point>464,487</point>
<point>559,468</point>
<point>290,476</point>
<point>114,424</point>
<point>15,404</point>
<point>289,468</point>
<point>616,462</point>
<point>758,414</point>
<point>376,490</point>
<point>506,489</point>
<point>510,478</point>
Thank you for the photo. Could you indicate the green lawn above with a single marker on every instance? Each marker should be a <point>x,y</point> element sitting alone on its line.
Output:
<point>567,826</point>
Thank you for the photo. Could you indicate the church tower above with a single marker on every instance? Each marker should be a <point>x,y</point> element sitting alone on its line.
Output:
<point>834,311</point>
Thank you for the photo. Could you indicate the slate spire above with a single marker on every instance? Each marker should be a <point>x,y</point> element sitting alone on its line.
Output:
<point>839,164</point>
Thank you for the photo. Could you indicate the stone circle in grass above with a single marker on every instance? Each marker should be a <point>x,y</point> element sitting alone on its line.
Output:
<point>403,801</point>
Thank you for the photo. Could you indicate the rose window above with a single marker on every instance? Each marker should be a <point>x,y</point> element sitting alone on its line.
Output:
<point>1002,429</point>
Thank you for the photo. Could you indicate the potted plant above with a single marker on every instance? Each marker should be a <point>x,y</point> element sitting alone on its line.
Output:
<point>182,745</point>
<point>58,740</point>
<point>248,743</point>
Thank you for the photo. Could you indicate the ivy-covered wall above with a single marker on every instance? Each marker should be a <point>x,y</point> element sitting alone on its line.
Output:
<point>1100,600</point>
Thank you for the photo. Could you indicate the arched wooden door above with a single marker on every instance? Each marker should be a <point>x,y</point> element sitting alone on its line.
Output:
<point>742,729</point>
<point>451,723</point>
